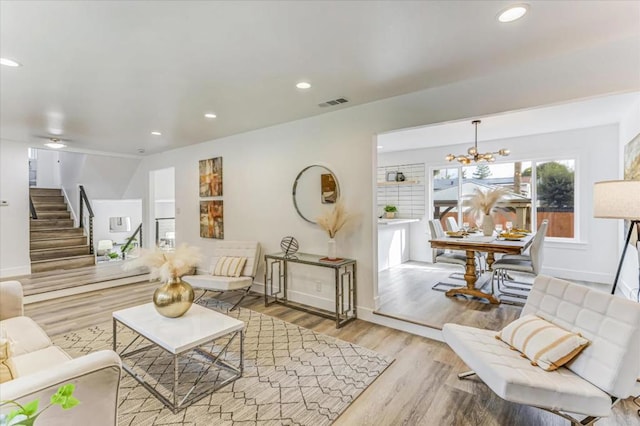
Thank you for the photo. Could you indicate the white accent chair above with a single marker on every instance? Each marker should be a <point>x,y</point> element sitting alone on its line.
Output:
<point>602,374</point>
<point>39,368</point>
<point>218,284</point>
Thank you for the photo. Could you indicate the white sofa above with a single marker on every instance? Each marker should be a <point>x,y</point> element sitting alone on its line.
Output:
<point>605,371</point>
<point>39,367</point>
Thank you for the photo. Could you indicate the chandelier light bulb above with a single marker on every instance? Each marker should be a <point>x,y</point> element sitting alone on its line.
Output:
<point>450,157</point>
<point>472,151</point>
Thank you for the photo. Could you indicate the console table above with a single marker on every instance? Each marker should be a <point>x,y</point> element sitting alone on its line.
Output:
<point>345,285</point>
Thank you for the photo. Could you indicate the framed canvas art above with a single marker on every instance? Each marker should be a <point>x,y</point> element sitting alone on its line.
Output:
<point>212,219</point>
<point>211,177</point>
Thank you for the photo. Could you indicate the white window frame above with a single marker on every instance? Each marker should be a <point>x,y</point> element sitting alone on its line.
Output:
<point>534,191</point>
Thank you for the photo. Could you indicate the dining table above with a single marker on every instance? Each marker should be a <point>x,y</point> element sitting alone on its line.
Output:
<point>476,242</point>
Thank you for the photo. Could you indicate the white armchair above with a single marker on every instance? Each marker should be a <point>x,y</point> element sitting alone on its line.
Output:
<point>603,373</point>
<point>219,284</point>
<point>39,368</point>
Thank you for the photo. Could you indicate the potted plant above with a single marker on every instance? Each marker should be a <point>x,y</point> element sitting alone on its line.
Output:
<point>390,211</point>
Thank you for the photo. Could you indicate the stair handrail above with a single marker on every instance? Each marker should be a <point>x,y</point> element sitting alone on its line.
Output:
<point>32,208</point>
<point>123,249</point>
<point>84,200</point>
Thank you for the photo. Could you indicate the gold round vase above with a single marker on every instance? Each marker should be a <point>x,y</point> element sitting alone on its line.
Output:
<point>173,299</point>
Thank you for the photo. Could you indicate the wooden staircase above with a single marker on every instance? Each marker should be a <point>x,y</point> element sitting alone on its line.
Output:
<point>55,243</point>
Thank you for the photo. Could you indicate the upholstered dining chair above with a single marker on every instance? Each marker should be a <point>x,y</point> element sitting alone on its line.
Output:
<point>530,264</point>
<point>452,224</point>
<point>442,256</point>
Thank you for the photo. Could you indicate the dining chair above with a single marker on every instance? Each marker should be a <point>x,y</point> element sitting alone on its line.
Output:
<point>530,264</point>
<point>443,256</point>
<point>452,224</point>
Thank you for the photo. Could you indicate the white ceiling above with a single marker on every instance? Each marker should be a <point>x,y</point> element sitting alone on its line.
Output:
<point>108,73</point>
<point>556,118</point>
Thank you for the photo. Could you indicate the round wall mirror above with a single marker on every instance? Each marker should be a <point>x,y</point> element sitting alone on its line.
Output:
<point>315,188</point>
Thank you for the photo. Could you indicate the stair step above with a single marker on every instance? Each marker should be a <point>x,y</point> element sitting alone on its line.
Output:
<point>56,214</point>
<point>51,223</point>
<point>45,192</point>
<point>47,207</point>
<point>41,234</point>
<point>47,199</point>
<point>70,262</point>
<point>58,252</point>
<point>58,242</point>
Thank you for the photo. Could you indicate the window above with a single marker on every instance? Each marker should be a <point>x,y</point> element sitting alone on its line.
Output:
<point>555,196</point>
<point>546,185</point>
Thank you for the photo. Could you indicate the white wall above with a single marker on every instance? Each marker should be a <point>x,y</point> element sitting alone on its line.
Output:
<point>47,169</point>
<point>14,218</point>
<point>259,166</point>
<point>104,209</point>
<point>629,129</point>
<point>103,177</point>
<point>593,257</point>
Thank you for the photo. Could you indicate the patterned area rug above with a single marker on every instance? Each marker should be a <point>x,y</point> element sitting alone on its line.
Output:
<point>292,376</point>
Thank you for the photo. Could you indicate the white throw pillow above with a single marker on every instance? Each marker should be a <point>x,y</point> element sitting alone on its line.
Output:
<point>228,266</point>
<point>545,344</point>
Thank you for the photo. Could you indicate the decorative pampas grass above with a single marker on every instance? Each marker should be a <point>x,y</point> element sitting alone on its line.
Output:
<point>484,201</point>
<point>333,220</point>
<point>166,265</point>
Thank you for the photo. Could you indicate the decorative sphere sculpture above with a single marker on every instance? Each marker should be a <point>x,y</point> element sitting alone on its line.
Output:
<point>289,246</point>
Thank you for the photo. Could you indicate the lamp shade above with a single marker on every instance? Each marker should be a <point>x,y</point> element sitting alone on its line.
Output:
<point>617,199</point>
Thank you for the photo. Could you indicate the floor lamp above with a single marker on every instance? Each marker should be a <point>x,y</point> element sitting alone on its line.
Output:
<point>618,199</point>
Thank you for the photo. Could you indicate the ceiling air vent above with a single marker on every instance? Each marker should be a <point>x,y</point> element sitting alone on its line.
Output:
<point>333,102</point>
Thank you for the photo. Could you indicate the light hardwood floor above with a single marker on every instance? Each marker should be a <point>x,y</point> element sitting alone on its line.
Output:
<point>419,388</point>
<point>406,293</point>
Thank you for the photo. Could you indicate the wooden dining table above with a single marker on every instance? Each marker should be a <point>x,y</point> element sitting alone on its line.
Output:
<point>479,243</point>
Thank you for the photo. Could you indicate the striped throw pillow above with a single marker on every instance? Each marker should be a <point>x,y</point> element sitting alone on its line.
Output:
<point>546,345</point>
<point>5,354</point>
<point>228,266</point>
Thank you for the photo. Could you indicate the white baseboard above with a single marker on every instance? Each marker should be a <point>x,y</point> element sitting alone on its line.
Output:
<point>365,314</point>
<point>571,274</point>
<point>15,271</point>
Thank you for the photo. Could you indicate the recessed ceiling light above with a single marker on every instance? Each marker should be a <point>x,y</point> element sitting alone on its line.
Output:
<point>156,133</point>
<point>9,62</point>
<point>303,85</point>
<point>210,115</point>
<point>380,146</point>
<point>512,13</point>
<point>55,144</point>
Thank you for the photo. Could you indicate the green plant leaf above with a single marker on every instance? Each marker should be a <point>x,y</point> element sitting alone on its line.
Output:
<point>64,397</point>
<point>70,402</point>
<point>30,408</point>
<point>14,413</point>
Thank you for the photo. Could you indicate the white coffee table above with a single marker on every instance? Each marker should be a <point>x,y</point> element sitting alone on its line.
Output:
<point>185,336</point>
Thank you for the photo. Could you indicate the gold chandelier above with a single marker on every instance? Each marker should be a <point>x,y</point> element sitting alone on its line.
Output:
<point>473,154</point>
